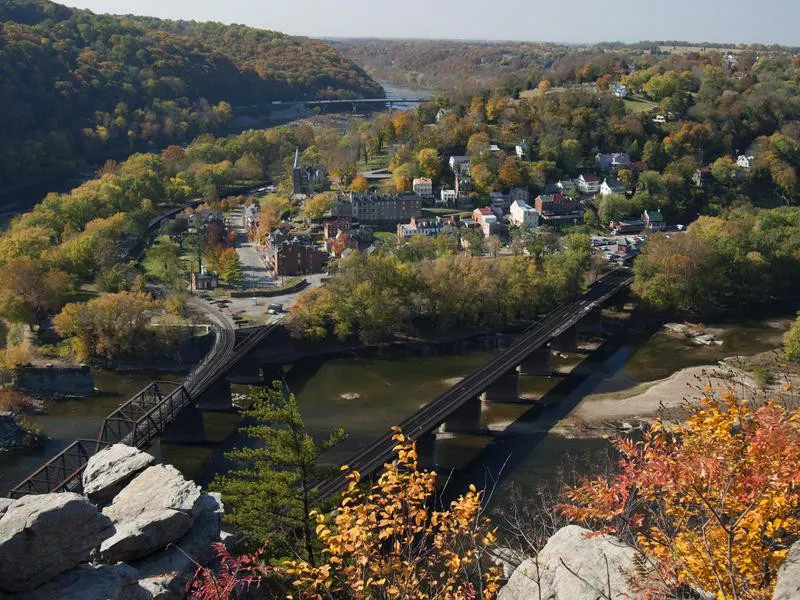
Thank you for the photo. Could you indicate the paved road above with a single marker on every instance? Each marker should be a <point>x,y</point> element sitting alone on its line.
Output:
<point>257,276</point>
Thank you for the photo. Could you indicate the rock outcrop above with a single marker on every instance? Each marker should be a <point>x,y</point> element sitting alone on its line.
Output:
<point>572,566</point>
<point>788,584</point>
<point>42,536</point>
<point>111,469</point>
<point>156,508</point>
<point>164,575</point>
<point>86,582</point>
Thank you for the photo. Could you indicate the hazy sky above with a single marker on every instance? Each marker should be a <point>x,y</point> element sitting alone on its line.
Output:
<point>767,21</point>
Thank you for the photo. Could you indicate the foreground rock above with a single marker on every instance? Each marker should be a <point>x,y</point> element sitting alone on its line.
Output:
<point>105,582</point>
<point>597,563</point>
<point>165,575</point>
<point>788,585</point>
<point>42,536</point>
<point>108,471</point>
<point>156,508</point>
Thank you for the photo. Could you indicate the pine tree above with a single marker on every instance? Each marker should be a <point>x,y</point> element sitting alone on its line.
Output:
<point>268,494</point>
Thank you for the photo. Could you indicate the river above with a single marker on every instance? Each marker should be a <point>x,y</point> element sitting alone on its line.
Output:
<point>368,394</point>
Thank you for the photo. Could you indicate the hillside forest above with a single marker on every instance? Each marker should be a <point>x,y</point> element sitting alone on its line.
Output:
<point>78,88</point>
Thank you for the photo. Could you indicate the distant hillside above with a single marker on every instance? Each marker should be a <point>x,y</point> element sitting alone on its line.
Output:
<point>76,87</point>
<point>443,65</point>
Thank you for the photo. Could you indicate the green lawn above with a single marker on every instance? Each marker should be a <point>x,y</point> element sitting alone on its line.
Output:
<point>639,104</point>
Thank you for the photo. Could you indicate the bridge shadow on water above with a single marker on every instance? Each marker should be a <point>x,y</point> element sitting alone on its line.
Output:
<point>506,452</point>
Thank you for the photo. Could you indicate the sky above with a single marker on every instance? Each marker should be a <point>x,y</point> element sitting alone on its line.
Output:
<point>579,21</point>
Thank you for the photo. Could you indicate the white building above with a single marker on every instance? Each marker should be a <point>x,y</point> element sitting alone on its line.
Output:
<point>522,149</point>
<point>611,186</point>
<point>447,197</point>
<point>423,187</point>
<point>441,113</point>
<point>745,162</point>
<point>619,90</point>
<point>588,183</point>
<point>523,213</point>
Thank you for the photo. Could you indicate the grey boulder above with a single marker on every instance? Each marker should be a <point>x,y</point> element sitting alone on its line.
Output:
<point>44,535</point>
<point>108,471</point>
<point>164,575</point>
<point>156,508</point>
<point>788,585</point>
<point>104,582</point>
<point>574,567</point>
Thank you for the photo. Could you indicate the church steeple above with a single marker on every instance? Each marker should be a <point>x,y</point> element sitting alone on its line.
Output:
<point>297,157</point>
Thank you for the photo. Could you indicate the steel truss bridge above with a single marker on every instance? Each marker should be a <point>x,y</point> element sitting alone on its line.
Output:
<point>143,418</point>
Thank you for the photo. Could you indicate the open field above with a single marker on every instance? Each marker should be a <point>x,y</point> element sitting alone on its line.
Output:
<point>639,104</point>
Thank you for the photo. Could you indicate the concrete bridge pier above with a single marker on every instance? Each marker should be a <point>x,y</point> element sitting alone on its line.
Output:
<point>567,341</point>
<point>426,451</point>
<point>217,397</point>
<point>504,388</point>
<point>538,363</point>
<point>467,418</point>
<point>186,429</point>
<point>592,323</point>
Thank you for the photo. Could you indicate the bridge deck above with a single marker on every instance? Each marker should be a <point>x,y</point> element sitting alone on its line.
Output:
<point>434,413</point>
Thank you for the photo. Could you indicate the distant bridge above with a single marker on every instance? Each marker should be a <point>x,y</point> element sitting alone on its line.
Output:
<point>355,102</point>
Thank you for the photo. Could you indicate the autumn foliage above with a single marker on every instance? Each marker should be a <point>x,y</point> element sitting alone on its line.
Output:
<point>385,542</point>
<point>713,502</point>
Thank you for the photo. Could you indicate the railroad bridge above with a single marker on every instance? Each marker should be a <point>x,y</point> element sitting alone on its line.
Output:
<point>459,409</point>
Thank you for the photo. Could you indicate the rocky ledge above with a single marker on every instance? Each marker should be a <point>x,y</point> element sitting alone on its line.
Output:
<point>579,564</point>
<point>69,546</point>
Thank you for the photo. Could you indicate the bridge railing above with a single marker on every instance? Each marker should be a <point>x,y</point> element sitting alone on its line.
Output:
<point>122,421</point>
<point>61,473</point>
<point>152,423</point>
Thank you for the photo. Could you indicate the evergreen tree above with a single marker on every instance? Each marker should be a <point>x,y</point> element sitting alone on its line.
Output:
<point>268,494</point>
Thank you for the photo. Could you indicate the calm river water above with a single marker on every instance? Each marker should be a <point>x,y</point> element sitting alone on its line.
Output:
<point>384,390</point>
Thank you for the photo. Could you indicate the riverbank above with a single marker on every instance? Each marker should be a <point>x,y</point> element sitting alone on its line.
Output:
<point>758,373</point>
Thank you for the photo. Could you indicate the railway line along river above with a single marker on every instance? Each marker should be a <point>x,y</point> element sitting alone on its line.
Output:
<point>366,393</point>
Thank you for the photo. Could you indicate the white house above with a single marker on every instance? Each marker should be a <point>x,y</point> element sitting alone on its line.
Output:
<point>619,90</point>
<point>588,183</point>
<point>523,213</point>
<point>745,161</point>
<point>457,161</point>
<point>566,186</point>
<point>447,197</point>
<point>423,187</point>
<point>441,114</point>
<point>522,149</point>
<point>494,148</point>
<point>611,186</point>
<point>660,119</point>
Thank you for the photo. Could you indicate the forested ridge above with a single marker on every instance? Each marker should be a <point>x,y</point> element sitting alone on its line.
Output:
<point>78,87</point>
